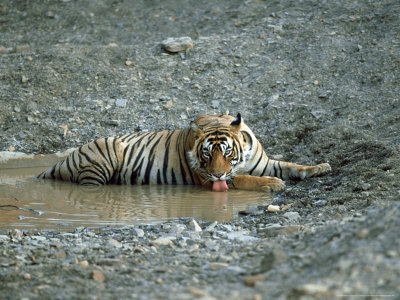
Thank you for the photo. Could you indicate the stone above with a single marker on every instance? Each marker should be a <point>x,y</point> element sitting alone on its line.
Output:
<point>4,238</point>
<point>60,254</point>
<point>164,241</point>
<point>312,289</point>
<point>84,263</point>
<point>121,102</point>
<point>194,226</point>
<point>252,280</point>
<point>138,232</point>
<point>211,226</point>
<point>215,104</point>
<point>98,276</point>
<point>16,234</point>
<point>24,79</point>
<point>198,292</point>
<point>218,265</point>
<point>114,243</point>
<point>241,236</point>
<point>273,208</point>
<point>38,238</point>
<point>291,215</point>
<point>177,44</point>
<point>276,229</point>
<point>319,203</point>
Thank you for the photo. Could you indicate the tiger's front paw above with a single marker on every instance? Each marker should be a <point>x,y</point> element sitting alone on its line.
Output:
<point>322,169</point>
<point>272,184</point>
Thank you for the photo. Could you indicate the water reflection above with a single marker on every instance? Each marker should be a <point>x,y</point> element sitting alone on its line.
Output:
<point>25,202</point>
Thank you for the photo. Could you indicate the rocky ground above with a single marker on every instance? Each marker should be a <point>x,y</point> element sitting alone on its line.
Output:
<point>317,81</point>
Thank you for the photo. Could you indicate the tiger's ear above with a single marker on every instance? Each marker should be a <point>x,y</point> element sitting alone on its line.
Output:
<point>236,124</point>
<point>198,130</point>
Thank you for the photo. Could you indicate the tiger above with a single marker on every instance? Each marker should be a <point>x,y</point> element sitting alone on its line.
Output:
<point>218,152</point>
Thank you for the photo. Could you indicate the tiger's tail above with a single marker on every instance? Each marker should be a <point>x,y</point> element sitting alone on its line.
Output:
<point>95,163</point>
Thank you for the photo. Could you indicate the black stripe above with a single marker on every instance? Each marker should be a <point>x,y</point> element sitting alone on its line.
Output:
<point>173,176</point>
<point>166,155</point>
<point>183,173</point>
<point>131,153</point>
<point>101,167</point>
<point>135,173</point>
<point>185,157</point>
<point>280,169</point>
<point>104,156</point>
<point>265,168</point>
<point>69,169</point>
<point>95,165</point>
<point>159,177</point>
<point>256,165</point>
<point>275,170</point>
<point>150,161</point>
<point>53,170</point>
<point>108,153</point>
<point>96,179</point>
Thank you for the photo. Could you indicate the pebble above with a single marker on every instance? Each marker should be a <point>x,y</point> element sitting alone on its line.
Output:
<point>363,233</point>
<point>114,243</point>
<point>291,215</point>
<point>128,63</point>
<point>60,254</point>
<point>177,44</point>
<point>27,276</point>
<point>164,241</point>
<point>16,234</point>
<point>24,79</point>
<point>194,226</point>
<point>252,280</point>
<point>218,265</point>
<point>215,104</point>
<point>276,229</point>
<point>241,236</point>
<point>312,289</point>
<point>84,263</point>
<point>138,232</point>
<point>98,276</point>
<point>121,102</point>
<point>38,238</point>
<point>319,203</point>
<point>211,226</point>
<point>4,238</point>
<point>273,208</point>
<point>198,292</point>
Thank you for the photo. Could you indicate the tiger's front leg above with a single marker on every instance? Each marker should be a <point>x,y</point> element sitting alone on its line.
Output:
<point>254,183</point>
<point>289,170</point>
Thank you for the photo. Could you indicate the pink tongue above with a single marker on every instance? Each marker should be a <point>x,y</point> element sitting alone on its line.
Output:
<point>219,186</point>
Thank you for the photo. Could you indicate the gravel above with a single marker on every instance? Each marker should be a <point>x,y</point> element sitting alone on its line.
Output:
<point>316,81</point>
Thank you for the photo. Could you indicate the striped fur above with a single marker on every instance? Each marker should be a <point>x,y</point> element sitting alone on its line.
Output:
<point>213,148</point>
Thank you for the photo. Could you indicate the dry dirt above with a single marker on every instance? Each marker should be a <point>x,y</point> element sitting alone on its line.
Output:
<point>318,81</point>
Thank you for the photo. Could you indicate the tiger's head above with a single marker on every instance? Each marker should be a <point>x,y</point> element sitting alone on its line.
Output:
<point>221,147</point>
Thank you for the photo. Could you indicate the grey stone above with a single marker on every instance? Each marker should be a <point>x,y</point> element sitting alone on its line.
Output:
<point>177,44</point>
<point>121,102</point>
<point>291,215</point>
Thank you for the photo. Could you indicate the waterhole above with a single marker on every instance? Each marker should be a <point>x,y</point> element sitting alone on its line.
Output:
<point>45,204</point>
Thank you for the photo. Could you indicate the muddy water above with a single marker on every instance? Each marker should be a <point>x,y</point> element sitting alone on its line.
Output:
<point>29,203</point>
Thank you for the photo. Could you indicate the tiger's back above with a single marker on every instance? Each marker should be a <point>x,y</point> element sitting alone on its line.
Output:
<point>147,158</point>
